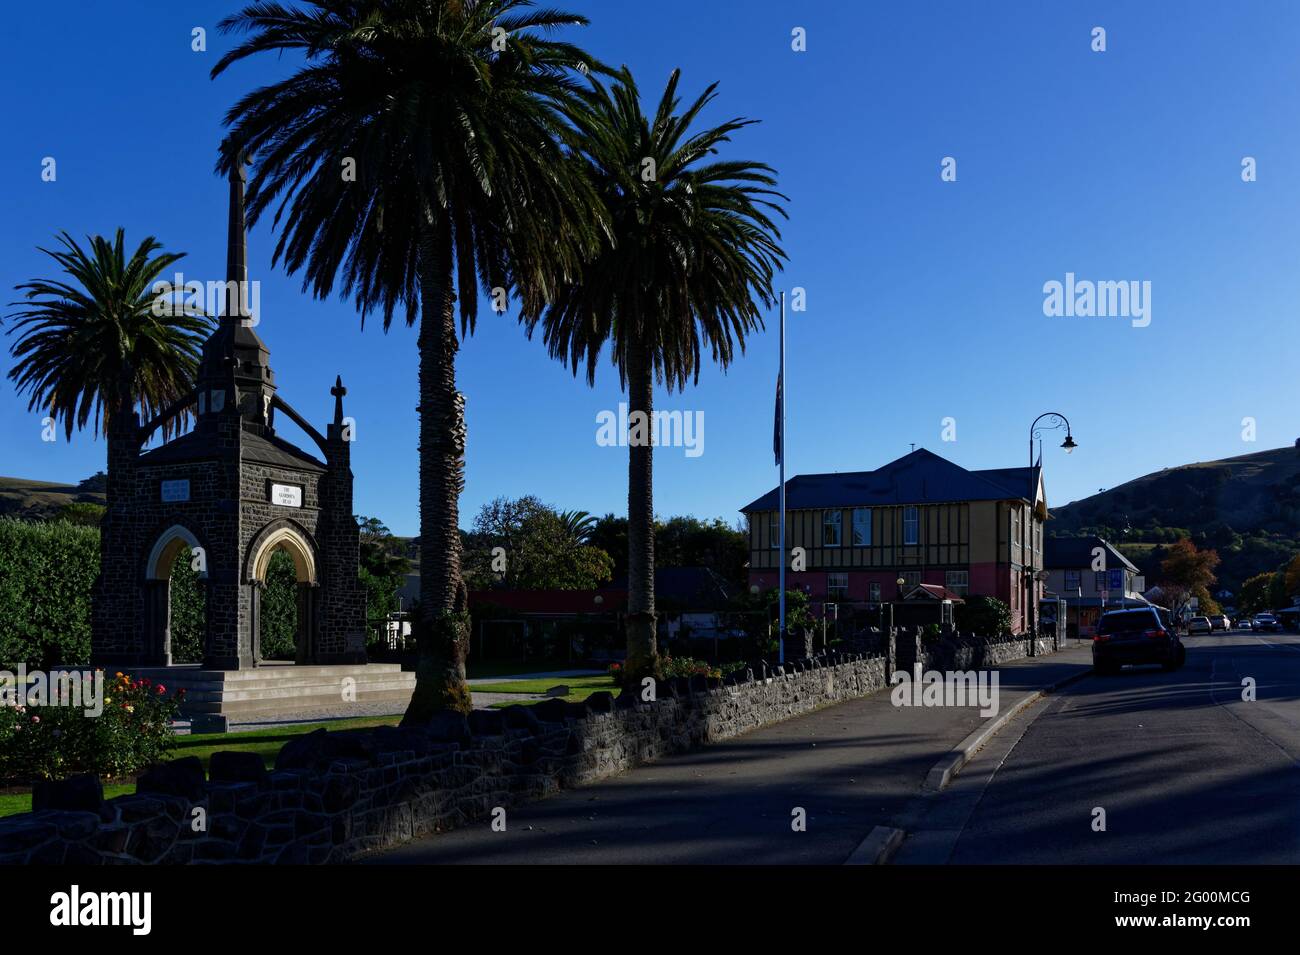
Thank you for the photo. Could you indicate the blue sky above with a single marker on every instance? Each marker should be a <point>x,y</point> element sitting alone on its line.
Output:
<point>924,297</point>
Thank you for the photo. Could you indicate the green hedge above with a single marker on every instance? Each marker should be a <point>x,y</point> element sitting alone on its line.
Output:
<point>47,572</point>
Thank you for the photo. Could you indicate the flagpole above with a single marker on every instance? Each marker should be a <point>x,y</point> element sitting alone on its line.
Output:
<point>781,583</point>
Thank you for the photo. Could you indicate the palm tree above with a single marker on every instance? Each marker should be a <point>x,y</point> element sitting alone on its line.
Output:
<point>415,159</point>
<point>106,334</point>
<point>578,525</point>
<point>690,255</point>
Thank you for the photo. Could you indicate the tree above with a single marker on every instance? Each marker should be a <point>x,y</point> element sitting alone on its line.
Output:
<point>690,254</point>
<point>1291,579</point>
<point>383,569</point>
<point>188,603</point>
<point>577,524</point>
<point>1186,571</point>
<point>1254,595</point>
<point>985,616</point>
<point>278,612</point>
<point>537,549</point>
<point>105,336</point>
<point>415,159</point>
<point>1206,605</point>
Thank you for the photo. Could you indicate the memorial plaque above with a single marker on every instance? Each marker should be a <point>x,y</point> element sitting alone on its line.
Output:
<point>174,491</point>
<point>286,495</point>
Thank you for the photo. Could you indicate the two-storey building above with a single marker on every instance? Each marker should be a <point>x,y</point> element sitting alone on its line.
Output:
<point>1092,577</point>
<point>850,537</point>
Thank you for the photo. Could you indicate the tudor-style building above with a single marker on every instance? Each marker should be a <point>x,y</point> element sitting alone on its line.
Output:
<point>920,518</point>
<point>234,492</point>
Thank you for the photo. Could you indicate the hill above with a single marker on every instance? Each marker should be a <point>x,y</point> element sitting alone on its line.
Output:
<point>1246,507</point>
<point>22,497</point>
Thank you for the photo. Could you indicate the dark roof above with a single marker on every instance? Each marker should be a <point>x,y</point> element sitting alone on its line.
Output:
<point>690,588</point>
<point>200,445</point>
<point>1073,553</point>
<point>546,602</point>
<point>921,477</point>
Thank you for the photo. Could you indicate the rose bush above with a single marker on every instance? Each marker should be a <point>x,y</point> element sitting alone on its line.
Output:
<point>51,742</point>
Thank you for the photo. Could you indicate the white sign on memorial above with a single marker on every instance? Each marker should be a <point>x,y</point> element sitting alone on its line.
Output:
<point>286,495</point>
<point>173,491</point>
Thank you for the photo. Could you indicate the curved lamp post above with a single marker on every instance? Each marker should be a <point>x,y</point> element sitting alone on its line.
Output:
<point>1054,422</point>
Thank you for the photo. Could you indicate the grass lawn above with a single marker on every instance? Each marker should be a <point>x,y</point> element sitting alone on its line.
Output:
<point>580,687</point>
<point>591,684</point>
<point>266,743</point>
<point>495,668</point>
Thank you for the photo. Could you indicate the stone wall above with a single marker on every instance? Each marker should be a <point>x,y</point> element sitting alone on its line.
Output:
<point>335,794</point>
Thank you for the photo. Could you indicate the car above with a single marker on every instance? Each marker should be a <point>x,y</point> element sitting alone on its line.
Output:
<point>1243,623</point>
<point>1199,625</point>
<point>1265,621</point>
<point>1220,622</point>
<point>1136,636</point>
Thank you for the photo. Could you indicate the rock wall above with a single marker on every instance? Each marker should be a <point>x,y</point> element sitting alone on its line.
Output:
<point>335,794</point>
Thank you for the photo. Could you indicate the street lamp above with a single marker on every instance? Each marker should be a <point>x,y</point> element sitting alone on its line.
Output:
<point>1055,421</point>
<point>899,582</point>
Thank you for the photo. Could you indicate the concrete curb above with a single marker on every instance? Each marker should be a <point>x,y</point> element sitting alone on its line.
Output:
<point>881,843</point>
<point>941,775</point>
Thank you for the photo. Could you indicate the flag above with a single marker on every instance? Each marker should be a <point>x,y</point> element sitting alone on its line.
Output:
<point>778,441</point>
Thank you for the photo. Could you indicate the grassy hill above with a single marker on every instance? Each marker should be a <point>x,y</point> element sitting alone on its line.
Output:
<point>22,497</point>
<point>1246,507</point>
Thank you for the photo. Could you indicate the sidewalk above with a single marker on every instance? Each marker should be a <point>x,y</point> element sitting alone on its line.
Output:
<point>850,767</point>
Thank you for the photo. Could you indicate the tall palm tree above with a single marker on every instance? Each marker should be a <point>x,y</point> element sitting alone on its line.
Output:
<point>578,525</point>
<point>105,334</point>
<point>690,255</point>
<point>415,159</point>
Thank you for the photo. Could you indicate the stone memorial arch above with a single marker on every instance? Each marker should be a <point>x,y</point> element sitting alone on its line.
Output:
<point>233,492</point>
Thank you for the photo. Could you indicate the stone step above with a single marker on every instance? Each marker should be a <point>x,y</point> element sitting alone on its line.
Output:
<point>281,688</point>
<point>321,692</point>
<point>276,685</point>
<point>336,708</point>
<point>191,672</point>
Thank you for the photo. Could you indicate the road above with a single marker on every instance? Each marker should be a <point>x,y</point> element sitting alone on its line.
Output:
<point>850,767</point>
<point>1184,768</point>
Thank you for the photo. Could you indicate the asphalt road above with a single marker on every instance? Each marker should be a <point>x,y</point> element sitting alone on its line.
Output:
<point>1185,769</point>
<point>849,767</point>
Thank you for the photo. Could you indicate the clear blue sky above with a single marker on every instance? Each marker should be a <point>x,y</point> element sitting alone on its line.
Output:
<point>924,297</point>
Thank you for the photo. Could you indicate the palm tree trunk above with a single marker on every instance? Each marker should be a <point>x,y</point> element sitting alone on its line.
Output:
<point>642,652</point>
<point>442,624</point>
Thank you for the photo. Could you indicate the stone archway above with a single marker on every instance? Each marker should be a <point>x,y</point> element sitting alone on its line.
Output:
<point>286,537</point>
<point>157,591</point>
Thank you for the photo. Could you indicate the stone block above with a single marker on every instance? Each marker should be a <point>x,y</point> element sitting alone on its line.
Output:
<point>76,793</point>
<point>233,766</point>
<point>177,777</point>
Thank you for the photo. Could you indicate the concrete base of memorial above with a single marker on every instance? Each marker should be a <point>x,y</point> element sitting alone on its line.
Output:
<point>274,688</point>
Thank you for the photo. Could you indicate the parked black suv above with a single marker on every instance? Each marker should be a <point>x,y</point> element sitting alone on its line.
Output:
<point>1144,635</point>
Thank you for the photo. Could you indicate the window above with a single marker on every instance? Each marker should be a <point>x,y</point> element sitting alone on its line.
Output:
<point>1015,527</point>
<point>1073,581</point>
<point>958,581</point>
<point>1099,580</point>
<point>774,530</point>
<point>861,527</point>
<point>911,578</point>
<point>911,530</point>
<point>837,587</point>
<point>831,528</point>
<point>875,593</point>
